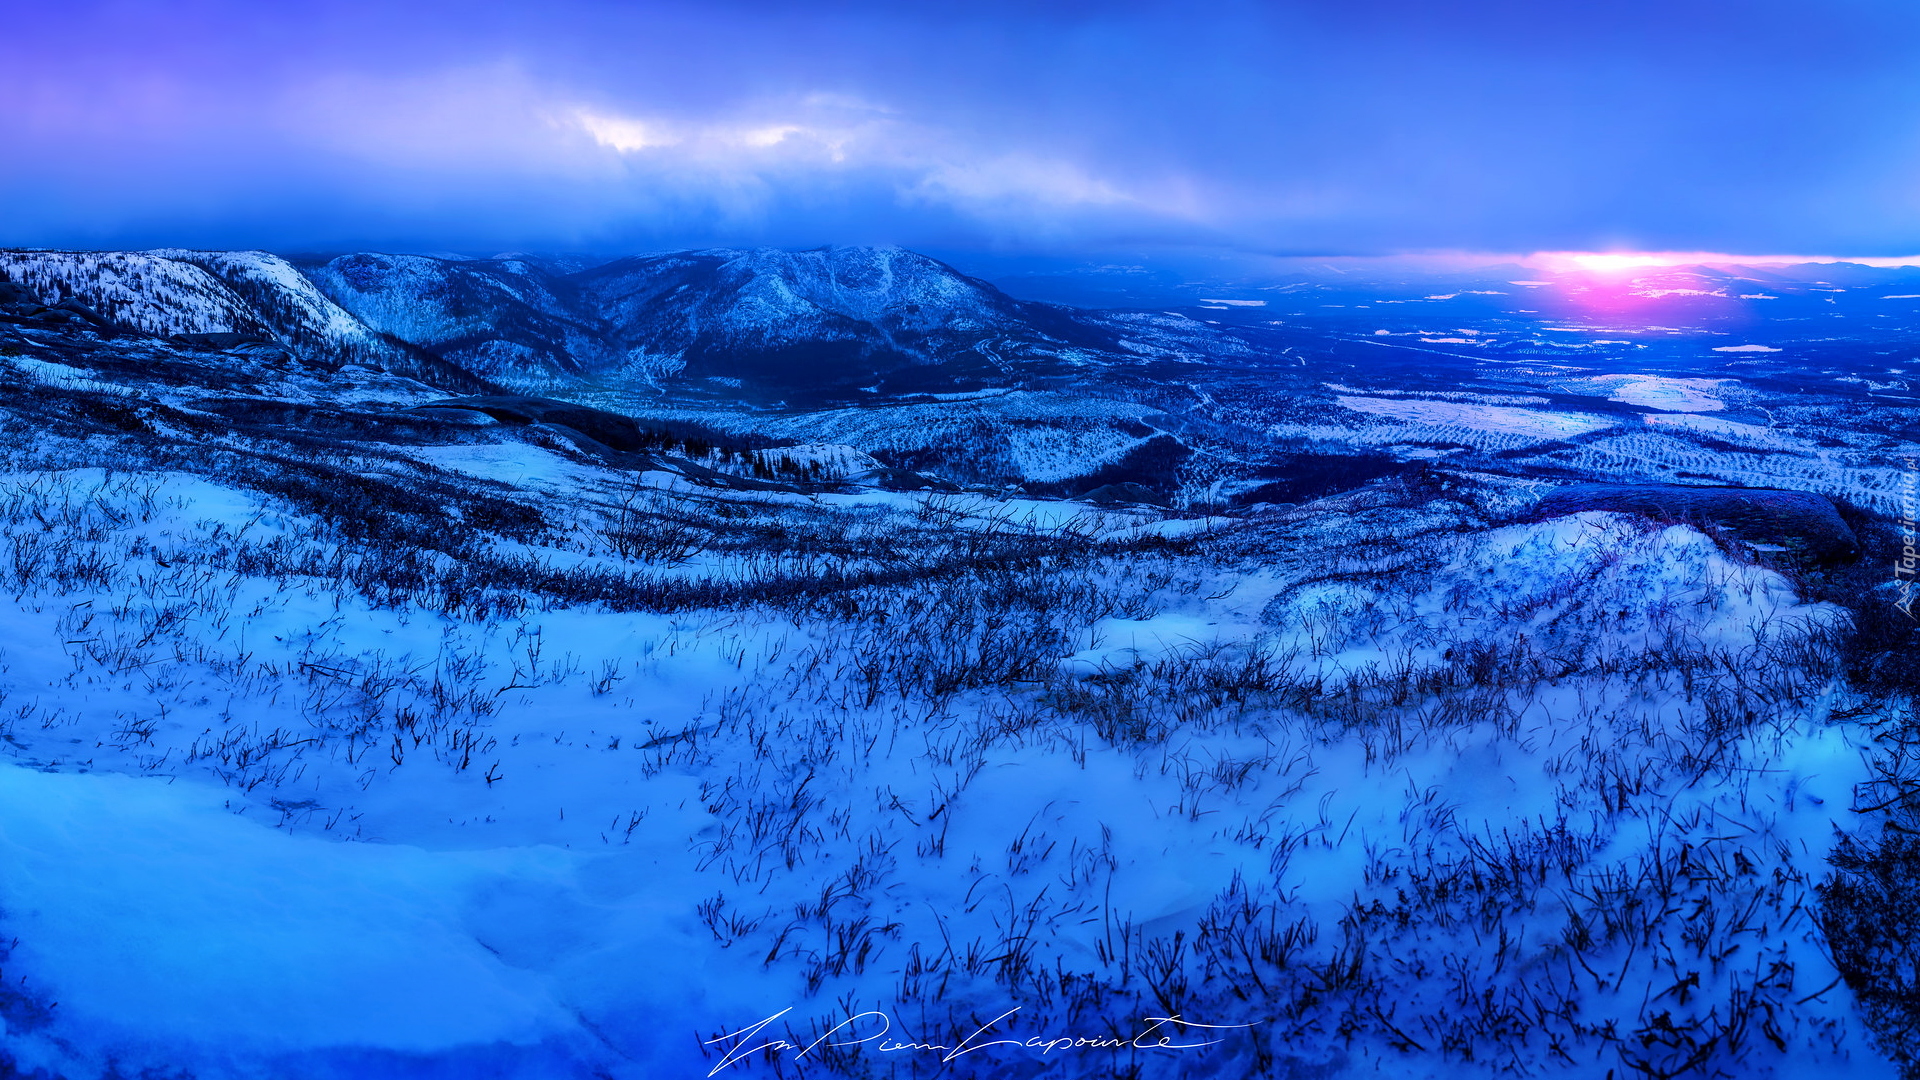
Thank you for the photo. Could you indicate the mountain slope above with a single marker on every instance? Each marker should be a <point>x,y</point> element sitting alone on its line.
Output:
<point>144,291</point>
<point>831,324</point>
<point>252,295</point>
<point>511,318</point>
<point>798,319</point>
<point>828,323</point>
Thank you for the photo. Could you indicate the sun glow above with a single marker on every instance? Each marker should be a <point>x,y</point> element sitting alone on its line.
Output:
<point>1615,261</point>
<point>1610,261</point>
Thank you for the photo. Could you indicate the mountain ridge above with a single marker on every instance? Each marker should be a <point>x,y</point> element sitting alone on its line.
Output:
<point>832,323</point>
<point>824,321</point>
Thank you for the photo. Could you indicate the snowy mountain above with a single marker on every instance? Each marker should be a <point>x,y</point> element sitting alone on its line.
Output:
<point>510,319</point>
<point>829,323</point>
<point>249,295</point>
<point>144,291</point>
<point>832,323</point>
<point>841,317</point>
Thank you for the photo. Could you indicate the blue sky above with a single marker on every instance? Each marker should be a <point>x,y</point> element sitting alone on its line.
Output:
<point>1353,127</point>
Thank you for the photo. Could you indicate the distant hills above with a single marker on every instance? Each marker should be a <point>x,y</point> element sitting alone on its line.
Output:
<point>827,324</point>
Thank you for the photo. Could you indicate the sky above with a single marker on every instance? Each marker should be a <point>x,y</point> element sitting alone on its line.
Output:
<point>1332,127</point>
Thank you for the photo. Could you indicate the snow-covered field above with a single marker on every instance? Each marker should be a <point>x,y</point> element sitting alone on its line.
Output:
<point>1664,393</point>
<point>1548,797</point>
<point>342,738</point>
<point>1507,419</point>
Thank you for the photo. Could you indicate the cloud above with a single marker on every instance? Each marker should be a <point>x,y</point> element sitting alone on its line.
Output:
<point>1370,126</point>
<point>985,180</point>
<point>621,133</point>
<point>817,141</point>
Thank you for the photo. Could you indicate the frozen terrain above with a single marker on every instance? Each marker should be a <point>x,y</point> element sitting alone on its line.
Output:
<point>1193,718</point>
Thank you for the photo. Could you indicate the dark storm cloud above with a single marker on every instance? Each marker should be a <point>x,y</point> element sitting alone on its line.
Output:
<point>1322,127</point>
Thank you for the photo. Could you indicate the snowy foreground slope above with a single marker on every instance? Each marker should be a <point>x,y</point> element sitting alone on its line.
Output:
<point>350,732</point>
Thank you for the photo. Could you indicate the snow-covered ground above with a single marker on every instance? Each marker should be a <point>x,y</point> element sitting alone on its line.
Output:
<point>1505,419</point>
<point>1401,809</point>
<point>1661,392</point>
<point>343,740</point>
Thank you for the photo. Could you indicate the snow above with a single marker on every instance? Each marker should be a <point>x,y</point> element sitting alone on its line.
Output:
<point>1077,436</point>
<point>1656,294</point>
<point>233,842</point>
<point>413,912</point>
<point>150,908</point>
<point>147,292</point>
<point>1533,423</point>
<point>835,461</point>
<point>58,375</point>
<point>510,463</point>
<point>1667,393</point>
<point>1748,434</point>
<point>1121,643</point>
<point>310,311</point>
